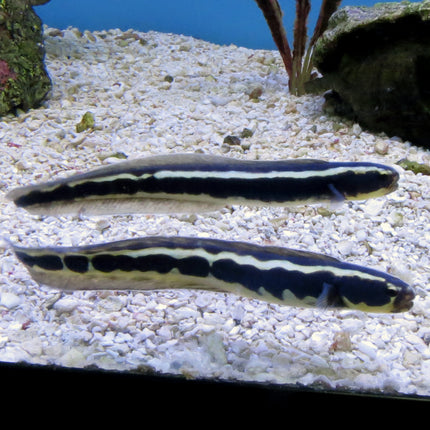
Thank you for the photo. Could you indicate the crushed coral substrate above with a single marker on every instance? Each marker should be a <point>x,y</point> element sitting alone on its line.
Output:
<point>153,93</point>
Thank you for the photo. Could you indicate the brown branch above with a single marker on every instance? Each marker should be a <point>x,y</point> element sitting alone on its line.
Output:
<point>303,8</point>
<point>273,14</point>
<point>299,63</point>
<point>328,8</point>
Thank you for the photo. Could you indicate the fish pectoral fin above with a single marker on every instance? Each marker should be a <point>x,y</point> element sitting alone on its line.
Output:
<point>337,198</point>
<point>327,298</point>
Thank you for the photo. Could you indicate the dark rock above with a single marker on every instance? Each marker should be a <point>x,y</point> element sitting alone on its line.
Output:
<point>24,81</point>
<point>231,140</point>
<point>376,61</point>
<point>256,93</point>
<point>246,132</point>
<point>37,2</point>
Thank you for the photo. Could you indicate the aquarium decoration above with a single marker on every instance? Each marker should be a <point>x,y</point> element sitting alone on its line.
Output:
<point>24,81</point>
<point>299,62</point>
<point>376,61</point>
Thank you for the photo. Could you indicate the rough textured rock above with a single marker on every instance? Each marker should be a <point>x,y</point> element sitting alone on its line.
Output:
<point>377,62</point>
<point>24,81</point>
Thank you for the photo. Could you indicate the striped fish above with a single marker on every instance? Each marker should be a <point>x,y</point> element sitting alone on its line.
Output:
<point>186,183</point>
<point>274,274</point>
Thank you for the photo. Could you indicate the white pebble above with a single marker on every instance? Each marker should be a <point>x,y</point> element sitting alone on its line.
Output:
<point>33,346</point>
<point>373,207</point>
<point>356,129</point>
<point>381,147</point>
<point>215,345</point>
<point>74,358</point>
<point>165,332</point>
<point>66,304</point>
<point>345,247</point>
<point>368,348</point>
<point>361,235</point>
<point>318,361</point>
<point>10,300</point>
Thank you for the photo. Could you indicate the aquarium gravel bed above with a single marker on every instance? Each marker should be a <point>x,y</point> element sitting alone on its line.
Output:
<point>154,93</point>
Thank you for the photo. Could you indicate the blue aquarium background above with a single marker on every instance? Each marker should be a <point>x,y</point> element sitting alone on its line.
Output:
<point>220,21</point>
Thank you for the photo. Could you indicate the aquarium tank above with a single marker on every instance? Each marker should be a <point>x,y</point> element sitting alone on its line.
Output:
<point>233,192</point>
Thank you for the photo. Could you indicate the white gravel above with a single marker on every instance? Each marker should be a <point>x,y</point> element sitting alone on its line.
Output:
<point>121,80</point>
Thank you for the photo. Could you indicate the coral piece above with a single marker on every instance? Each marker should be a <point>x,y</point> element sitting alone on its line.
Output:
<point>5,74</point>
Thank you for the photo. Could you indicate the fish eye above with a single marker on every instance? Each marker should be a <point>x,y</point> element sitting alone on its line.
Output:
<point>392,292</point>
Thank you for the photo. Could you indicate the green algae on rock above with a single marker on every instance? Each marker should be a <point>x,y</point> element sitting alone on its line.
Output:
<point>414,166</point>
<point>376,61</point>
<point>87,122</point>
<point>24,81</point>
